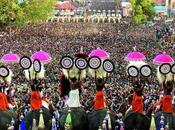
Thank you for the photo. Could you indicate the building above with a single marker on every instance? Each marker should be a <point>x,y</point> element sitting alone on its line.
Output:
<point>126,8</point>
<point>172,6</point>
<point>160,2</point>
<point>103,5</point>
<point>165,3</point>
<point>161,10</point>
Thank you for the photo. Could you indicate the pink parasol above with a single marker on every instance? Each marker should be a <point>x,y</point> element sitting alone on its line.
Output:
<point>10,58</point>
<point>163,58</point>
<point>42,56</point>
<point>99,53</point>
<point>135,56</point>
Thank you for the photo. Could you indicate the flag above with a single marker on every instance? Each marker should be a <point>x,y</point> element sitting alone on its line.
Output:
<point>54,125</point>
<point>22,125</point>
<point>121,125</point>
<point>161,126</point>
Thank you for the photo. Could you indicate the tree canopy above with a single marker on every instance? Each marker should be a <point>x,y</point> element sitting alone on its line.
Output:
<point>142,10</point>
<point>21,12</point>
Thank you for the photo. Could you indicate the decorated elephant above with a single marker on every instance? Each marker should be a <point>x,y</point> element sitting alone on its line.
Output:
<point>96,119</point>
<point>136,121</point>
<point>35,114</point>
<point>6,114</point>
<point>73,118</point>
<point>6,118</point>
<point>165,117</point>
<point>39,116</point>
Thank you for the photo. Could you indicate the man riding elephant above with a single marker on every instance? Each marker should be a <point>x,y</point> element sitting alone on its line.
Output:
<point>39,116</point>
<point>135,118</point>
<point>6,112</point>
<point>73,116</point>
<point>100,117</point>
<point>165,104</point>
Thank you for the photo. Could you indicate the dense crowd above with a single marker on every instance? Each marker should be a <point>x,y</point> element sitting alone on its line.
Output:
<point>60,39</point>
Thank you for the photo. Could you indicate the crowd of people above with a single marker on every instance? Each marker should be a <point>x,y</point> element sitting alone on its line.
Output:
<point>61,39</point>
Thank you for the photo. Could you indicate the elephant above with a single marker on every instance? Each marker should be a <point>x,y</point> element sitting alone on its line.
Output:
<point>6,118</point>
<point>168,118</point>
<point>137,121</point>
<point>78,118</point>
<point>35,114</point>
<point>95,119</point>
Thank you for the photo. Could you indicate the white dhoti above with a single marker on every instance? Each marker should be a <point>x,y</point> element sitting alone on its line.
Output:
<point>74,99</point>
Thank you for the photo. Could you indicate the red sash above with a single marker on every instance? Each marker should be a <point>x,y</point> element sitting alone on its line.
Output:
<point>35,100</point>
<point>137,103</point>
<point>3,102</point>
<point>99,102</point>
<point>167,104</point>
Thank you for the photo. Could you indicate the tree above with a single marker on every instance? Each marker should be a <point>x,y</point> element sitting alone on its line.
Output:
<point>9,11</point>
<point>142,10</point>
<point>21,12</point>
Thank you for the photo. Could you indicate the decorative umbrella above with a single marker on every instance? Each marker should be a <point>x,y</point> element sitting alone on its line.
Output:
<point>10,58</point>
<point>42,56</point>
<point>99,53</point>
<point>135,56</point>
<point>163,58</point>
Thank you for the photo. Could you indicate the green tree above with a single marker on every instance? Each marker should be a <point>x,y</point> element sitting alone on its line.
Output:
<point>9,11</point>
<point>142,10</point>
<point>21,12</point>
